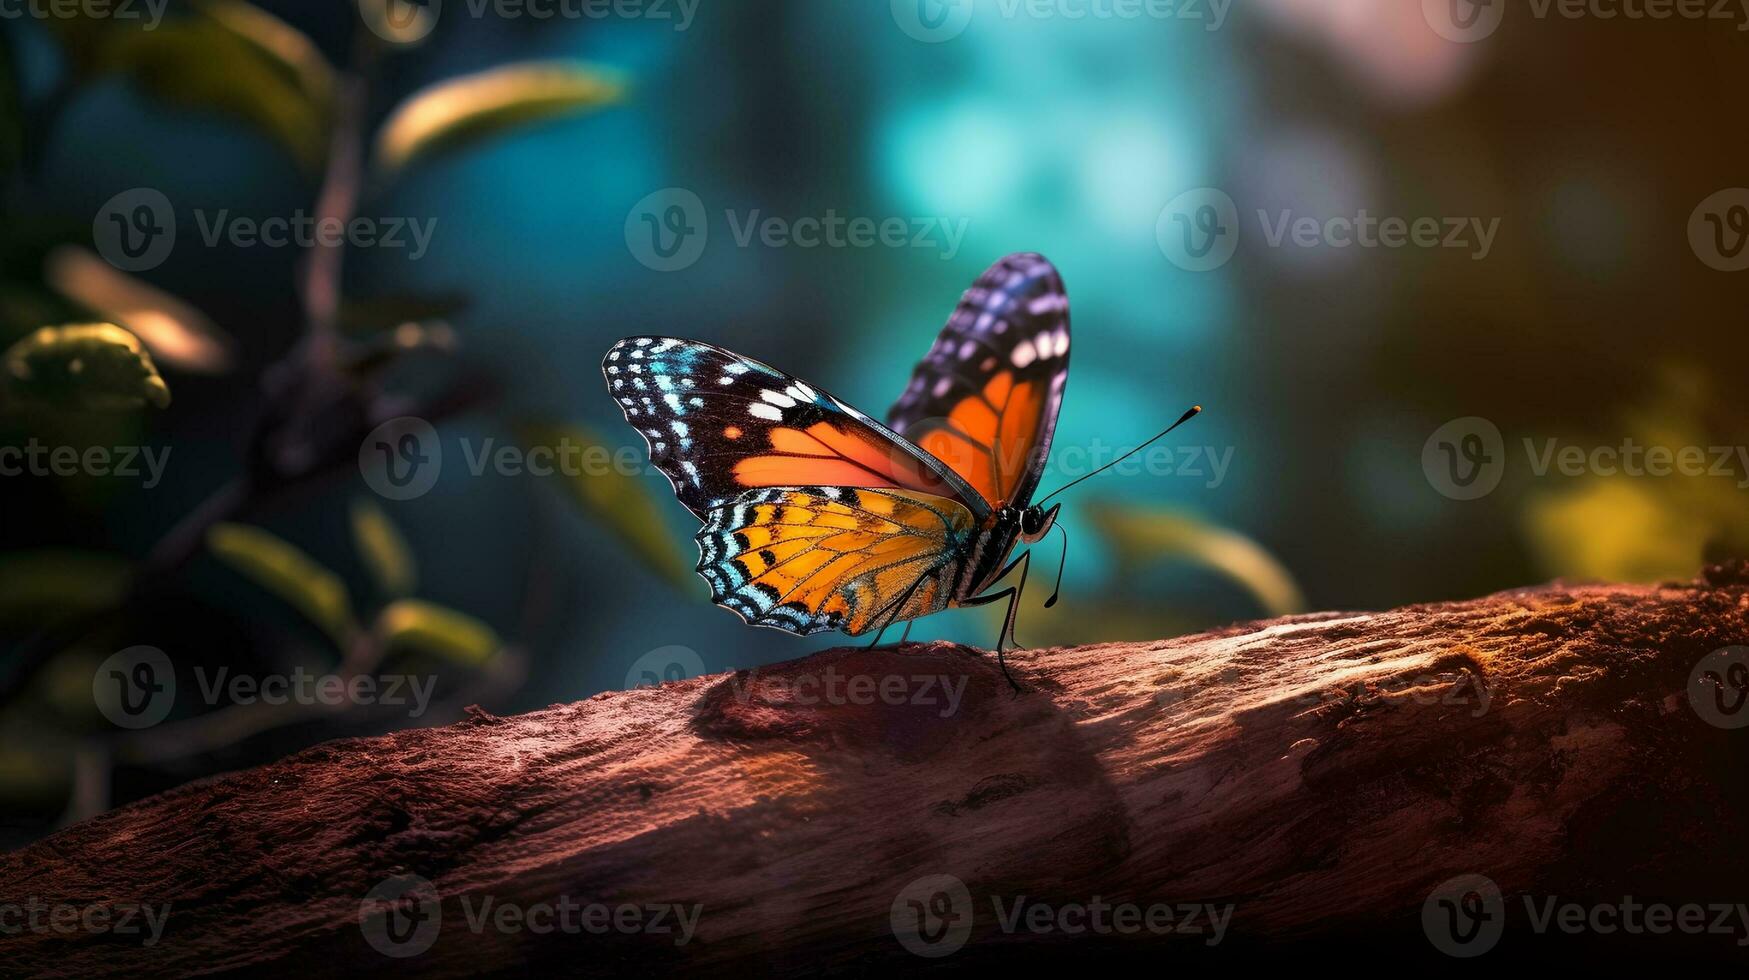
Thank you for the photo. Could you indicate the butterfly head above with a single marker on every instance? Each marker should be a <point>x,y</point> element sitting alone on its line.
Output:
<point>1036,521</point>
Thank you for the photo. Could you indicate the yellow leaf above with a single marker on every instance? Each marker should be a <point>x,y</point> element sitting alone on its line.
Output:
<point>175,332</point>
<point>98,366</point>
<point>619,501</point>
<point>35,584</point>
<point>1619,530</point>
<point>281,568</point>
<point>383,549</point>
<point>416,625</point>
<point>1140,535</point>
<point>470,106</point>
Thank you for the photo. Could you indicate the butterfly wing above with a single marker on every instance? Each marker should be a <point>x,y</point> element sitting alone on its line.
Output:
<point>984,399</point>
<point>719,424</point>
<point>808,559</point>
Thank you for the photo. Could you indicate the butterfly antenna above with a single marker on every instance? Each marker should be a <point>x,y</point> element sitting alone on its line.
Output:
<point>1186,417</point>
<point>1058,590</point>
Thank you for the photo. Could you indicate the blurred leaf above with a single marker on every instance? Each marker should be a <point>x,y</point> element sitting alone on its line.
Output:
<point>90,365</point>
<point>1142,535</point>
<point>424,627</point>
<point>384,312</point>
<point>35,585</point>
<point>176,333</point>
<point>383,549</point>
<point>466,108</point>
<point>232,58</point>
<point>618,501</point>
<point>33,774</point>
<point>281,568</point>
<point>1619,529</point>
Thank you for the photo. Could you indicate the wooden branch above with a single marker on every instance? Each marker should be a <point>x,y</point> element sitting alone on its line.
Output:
<point>1321,775</point>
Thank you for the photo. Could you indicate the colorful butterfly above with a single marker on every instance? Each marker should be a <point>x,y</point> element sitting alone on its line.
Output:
<point>817,517</point>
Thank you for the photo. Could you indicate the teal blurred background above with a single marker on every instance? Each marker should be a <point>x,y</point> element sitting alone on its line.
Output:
<point>1593,317</point>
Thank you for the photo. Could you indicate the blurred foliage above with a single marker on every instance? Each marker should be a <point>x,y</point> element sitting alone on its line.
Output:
<point>175,332</point>
<point>413,625</point>
<point>40,585</point>
<point>382,549</point>
<point>284,570</point>
<point>460,110</point>
<point>97,366</point>
<point>1648,528</point>
<point>620,502</point>
<point>224,56</point>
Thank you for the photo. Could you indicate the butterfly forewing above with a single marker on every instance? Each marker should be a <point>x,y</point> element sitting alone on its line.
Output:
<point>719,425</point>
<point>984,399</point>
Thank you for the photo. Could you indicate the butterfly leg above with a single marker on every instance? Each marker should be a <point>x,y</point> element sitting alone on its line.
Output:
<point>907,634</point>
<point>877,639</point>
<point>1012,594</point>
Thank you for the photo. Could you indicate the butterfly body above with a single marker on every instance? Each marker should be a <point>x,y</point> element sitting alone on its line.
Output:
<point>815,516</point>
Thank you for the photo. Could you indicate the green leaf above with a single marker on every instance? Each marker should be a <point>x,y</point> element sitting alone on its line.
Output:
<point>383,549</point>
<point>232,58</point>
<point>97,366</point>
<point>281,568</point>
<point>35,585</point>
<point>618,501</point>
<point>1142,535</point>
<point>459,110</point>
<point>414,625</point>
<point>176,333</point>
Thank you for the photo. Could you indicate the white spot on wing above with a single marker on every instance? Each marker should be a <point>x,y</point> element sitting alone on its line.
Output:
<point>777,398</point>
<point>760,410</point>
<point>1024,354</point>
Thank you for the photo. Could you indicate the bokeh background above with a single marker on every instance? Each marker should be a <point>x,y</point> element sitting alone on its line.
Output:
<point>1598,148</point>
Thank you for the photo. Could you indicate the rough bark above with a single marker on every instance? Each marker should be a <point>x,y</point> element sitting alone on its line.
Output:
<point>1322,773</point>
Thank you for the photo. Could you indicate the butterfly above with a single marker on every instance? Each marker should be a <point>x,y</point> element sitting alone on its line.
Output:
<point>816,517</point>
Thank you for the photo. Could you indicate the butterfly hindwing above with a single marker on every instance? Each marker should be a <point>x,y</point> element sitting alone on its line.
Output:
<point>719,424</point>
<point>984,399</point>
<point>808,559</point>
